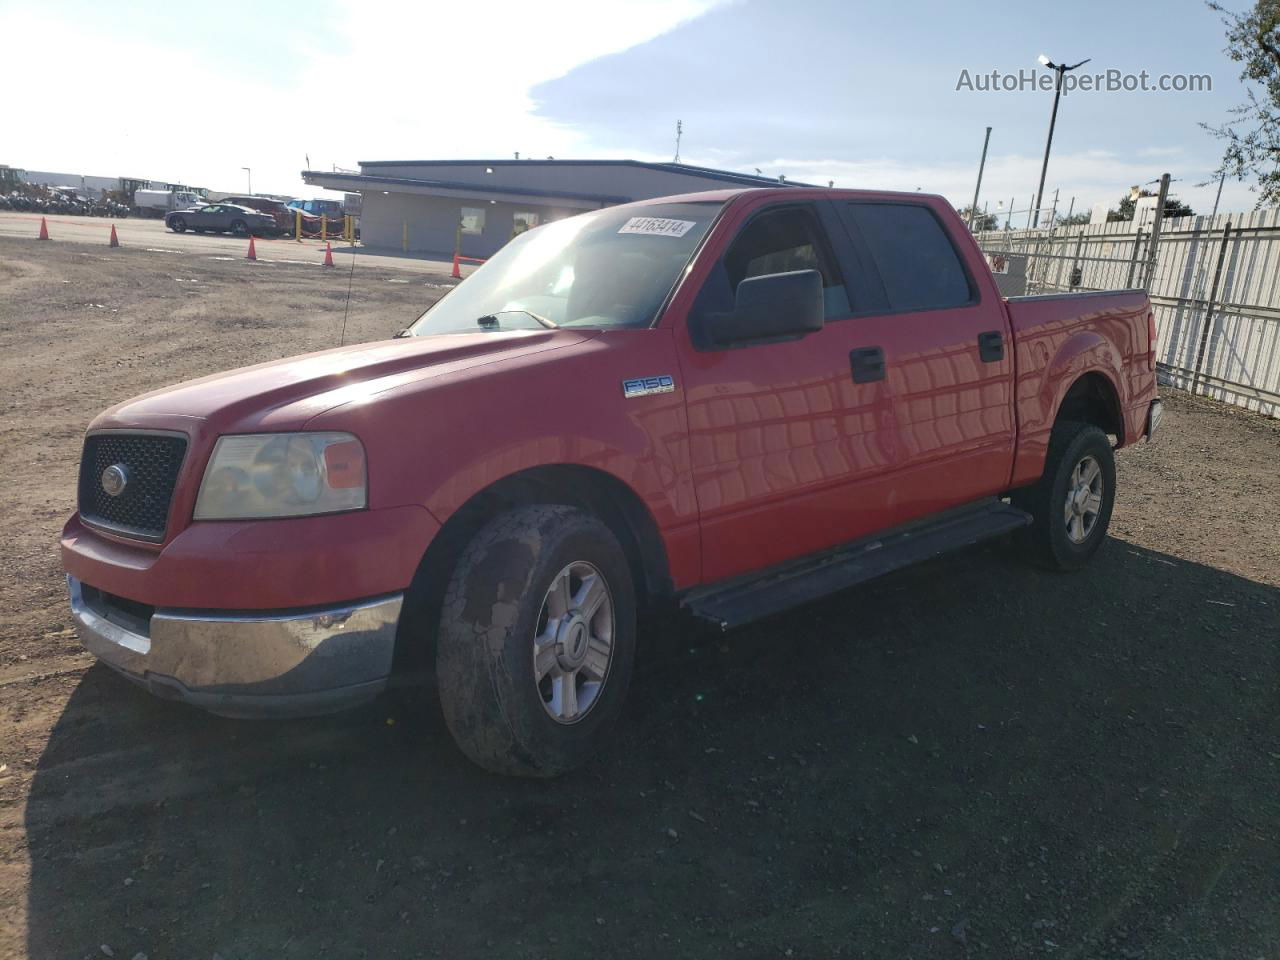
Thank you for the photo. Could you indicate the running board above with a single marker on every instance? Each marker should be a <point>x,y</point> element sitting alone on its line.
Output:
<point>743,600</point>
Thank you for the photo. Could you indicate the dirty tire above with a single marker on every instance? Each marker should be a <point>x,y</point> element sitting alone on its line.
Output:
<point>1046,542</point>
<point>490,615</point>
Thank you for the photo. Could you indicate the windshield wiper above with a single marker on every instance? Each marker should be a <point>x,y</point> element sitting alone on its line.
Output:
<point>491,319</point>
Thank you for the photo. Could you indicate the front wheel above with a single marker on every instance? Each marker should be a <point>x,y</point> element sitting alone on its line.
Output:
<point>536,641</point>
<point>1071,504</point>
<point>239,228</point>
<point>178,225</point>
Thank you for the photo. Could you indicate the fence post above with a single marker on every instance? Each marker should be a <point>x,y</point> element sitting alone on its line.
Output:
<point>1208,310</point>
<point>1133,259</point>
<point>1153,248</point>
<point>1075,261</point>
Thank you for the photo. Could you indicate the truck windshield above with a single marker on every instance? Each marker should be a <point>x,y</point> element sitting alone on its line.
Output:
<point>606,269</point>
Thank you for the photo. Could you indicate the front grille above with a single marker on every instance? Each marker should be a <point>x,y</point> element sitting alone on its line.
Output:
<point>151,462</point>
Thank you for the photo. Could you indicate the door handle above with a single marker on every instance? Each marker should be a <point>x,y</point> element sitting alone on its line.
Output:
<point>991,346</point>
<point>867,364</point>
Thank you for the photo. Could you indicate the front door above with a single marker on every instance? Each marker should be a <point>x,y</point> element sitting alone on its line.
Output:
<point>784,445</point>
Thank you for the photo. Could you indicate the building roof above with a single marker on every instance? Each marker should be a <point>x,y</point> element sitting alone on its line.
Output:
<point>356,181</point>
<point>724,176</point>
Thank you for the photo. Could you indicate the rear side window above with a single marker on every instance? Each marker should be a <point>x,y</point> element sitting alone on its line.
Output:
<point>916,260</point>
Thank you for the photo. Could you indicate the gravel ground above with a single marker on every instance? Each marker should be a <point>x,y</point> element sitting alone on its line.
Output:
<point>968,759</point>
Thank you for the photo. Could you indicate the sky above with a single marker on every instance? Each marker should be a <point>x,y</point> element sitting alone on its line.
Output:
<point>862,94</point>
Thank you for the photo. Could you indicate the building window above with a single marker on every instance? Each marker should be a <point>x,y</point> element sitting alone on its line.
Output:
<point>473,220</point>
<point>523,220</point>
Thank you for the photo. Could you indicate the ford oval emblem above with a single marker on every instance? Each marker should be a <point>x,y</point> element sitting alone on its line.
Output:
<point>114,479</point>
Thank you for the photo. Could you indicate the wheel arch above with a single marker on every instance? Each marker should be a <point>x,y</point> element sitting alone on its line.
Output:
<point>600,492</point>
<point>1093,398</point>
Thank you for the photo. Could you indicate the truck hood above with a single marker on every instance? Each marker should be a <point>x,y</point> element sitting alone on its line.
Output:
<point>285,394</point>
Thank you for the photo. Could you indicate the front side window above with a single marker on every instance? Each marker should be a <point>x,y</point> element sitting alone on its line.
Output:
<point>610,268</point>
<point>914,256</point>
<point>776,241</point>
<point>473,219</point>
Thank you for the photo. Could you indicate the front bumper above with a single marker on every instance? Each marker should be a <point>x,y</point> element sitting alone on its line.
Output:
<point>254,664</point>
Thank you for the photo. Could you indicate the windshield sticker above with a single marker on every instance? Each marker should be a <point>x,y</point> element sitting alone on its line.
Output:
<point>658,226</point>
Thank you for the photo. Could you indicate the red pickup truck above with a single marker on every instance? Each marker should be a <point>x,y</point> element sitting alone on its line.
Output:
<point>738,401</point>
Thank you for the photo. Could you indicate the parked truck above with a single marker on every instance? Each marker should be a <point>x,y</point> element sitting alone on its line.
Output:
<point>157,203</point>
<point>735,402</point>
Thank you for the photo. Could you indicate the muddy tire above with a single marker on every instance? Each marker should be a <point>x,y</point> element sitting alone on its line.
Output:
<point>1073,500</point>
<point>536,641</point>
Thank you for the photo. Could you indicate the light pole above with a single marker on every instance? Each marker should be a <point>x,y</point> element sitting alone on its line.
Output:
<point>1060,70</point>
<point>249,173</point>
<point>973,207</point>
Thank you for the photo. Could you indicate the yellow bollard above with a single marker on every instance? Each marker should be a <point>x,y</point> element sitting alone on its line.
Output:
<point>404,240</point>
<point>297,225</point>
<point>351,230</point>
<point>324,223</point>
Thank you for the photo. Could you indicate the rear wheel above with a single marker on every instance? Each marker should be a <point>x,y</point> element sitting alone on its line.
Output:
<point>536,641</point>
<point>1071,505</point>
<point>178,225</point>
<point>239,228</point>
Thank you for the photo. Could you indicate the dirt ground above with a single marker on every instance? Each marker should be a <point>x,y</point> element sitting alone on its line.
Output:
<point>968,759</point>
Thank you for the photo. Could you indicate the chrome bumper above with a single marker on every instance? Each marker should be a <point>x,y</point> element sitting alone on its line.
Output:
<point>249,664</point>
<point>1154,416</point>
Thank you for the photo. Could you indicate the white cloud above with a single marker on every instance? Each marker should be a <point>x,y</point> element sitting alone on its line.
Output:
<point>412,81</point>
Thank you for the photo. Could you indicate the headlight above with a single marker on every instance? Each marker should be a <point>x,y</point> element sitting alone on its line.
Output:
<point>282,475</point>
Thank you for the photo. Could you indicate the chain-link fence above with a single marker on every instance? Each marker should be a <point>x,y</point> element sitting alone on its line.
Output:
<point>1215,287</point>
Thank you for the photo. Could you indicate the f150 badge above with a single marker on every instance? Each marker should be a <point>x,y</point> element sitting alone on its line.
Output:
<point>647,386</point>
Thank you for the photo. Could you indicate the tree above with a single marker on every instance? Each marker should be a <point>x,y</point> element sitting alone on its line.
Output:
<point>981,221</point>
<point>1173,207</point>
<point>1252,138</point>
<point>1075,220</point>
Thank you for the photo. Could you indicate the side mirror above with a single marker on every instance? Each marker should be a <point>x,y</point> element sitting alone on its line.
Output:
<point>774,306</point>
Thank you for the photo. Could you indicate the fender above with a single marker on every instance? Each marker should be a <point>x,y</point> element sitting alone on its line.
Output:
<point>456,435</point>
<point>1043,381</point>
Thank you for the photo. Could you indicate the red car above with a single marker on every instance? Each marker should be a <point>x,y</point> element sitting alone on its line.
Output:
<point>737,401</point>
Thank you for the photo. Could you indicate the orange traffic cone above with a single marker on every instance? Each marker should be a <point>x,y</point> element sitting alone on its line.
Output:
<point>328,255</point>
<point>44,230</point>
<point>115,241</point>
<point>253,253</point>
<point>457,272</point>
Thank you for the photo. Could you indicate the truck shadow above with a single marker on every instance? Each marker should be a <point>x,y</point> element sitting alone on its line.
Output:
<point>965,757</point>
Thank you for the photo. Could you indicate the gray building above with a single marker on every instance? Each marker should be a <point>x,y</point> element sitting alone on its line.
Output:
<point>425,206</point>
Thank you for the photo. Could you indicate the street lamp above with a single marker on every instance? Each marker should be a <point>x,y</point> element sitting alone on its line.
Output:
<point>1060,69</point>
<point>249,173</point>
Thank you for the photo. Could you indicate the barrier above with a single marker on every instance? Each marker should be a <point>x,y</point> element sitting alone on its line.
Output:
<point>458,259</point>
<point>348,228</point>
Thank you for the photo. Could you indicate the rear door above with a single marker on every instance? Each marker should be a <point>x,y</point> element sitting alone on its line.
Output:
<point>784,446</point>
<point>947,353</point>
